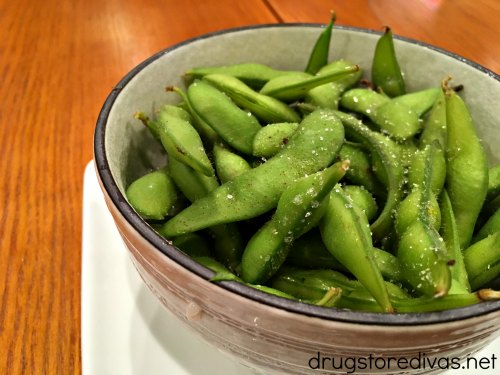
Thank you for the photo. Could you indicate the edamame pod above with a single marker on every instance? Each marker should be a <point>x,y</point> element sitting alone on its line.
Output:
<point>353,251</point>
<point>227,238</point>
<point>449,233</point>
<point>467,169</point>
<point>288,90</point>
<point>272,138</point>
<point>234,125</point>
<point>434,128</point>
<point>207,134</point>
<point>396,117</point>
<point>319,54</point>
<point>153,195</point>
<point>313,147</point>
<point>328,95</point>
<point>390,155</point>
<point>491,226</point>
<point>182,142</point>
<point>363,199</point>
<point>360,168</point>
<point>298,205</point>
<point>228,165</point>
<point>482,261</point>
<point>421,304</point>
<point>254,75</point>
<point>386,72</point>
<point>264,107</point>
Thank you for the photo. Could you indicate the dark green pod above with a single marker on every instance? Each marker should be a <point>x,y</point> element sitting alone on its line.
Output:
<point>386,72</point>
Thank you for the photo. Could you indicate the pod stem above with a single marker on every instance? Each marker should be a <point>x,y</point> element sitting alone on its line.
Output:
<point>488,294</point>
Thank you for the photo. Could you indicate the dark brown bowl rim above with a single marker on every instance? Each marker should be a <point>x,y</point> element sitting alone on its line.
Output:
<point>161,244</point>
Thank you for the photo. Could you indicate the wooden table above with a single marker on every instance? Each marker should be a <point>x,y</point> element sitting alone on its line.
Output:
<point>58,61</point>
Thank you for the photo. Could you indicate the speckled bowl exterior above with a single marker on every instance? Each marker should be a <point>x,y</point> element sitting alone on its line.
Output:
<point>267,333</point>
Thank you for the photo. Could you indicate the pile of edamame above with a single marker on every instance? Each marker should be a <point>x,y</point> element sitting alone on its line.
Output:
<point>321,187</point>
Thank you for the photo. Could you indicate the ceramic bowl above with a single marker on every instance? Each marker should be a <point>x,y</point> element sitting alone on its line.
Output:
<point>265,332</point>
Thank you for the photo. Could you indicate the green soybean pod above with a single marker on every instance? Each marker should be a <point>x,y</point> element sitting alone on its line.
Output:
<point>467,168</point>
<point>329,94</point>
<point>254,75</point>
<point>182,142</point>
<point>386,72</point>
<point>313,147</point>
<point>289,90</point>
<point>420,304</point>
<point>360,168</point>
<point>482,261</point>
<point>228,242</point>
<point>153,195</point>
<point>363,199</point>
<point>207,134</point>
<point>268,248</point>
<point>434,128</point>
<point>319,54</point>
<point>264,107</point>
<point>354,251</point>
<point>390,155</point>
<point>491,226</point>
<point>228,165</point>
<point>449,233</point>
<point>270,139</point>
<point>234,125</point>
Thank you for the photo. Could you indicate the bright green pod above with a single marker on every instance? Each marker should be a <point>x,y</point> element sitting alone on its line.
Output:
<point>313,147</point>
<point>399,117</point>
<point>392,164</point>
<point>430,156</point>
<point>360,168</point>
<point>329,94</point>
<point>227,238</point>
<point>295,215</point>
<point>434,127</point>
<point>207,134</point>
<point>419,101</point>
<point>266,108</point>
<point>422,256</point>
<point>363,199</point>
<point>467,168</point>
<point>289,90</point>
<point>228,165</point>
<point>191,183</point>
<point>272,138</point>
<point>234,125</point>
<point>421,250</point>
<point>153,195</point>
<point>491,226</point>
<point>420,304</point>
<point>318,57</point>
<point>410,209</point>
<point>254,75</point>
<point>182,142</point>
<point>449,233</point>
<point>355,251</point>
<point>386,72</point>
<point>482,261</point>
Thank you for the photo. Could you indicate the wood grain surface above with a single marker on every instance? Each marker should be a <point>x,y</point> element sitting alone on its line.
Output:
<point>58,62</point>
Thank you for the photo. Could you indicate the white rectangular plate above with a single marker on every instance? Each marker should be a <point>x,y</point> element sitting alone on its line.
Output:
<point>126,331</point>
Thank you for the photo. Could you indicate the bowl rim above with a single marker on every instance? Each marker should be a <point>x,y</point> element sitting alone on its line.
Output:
<point>166,248</point>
